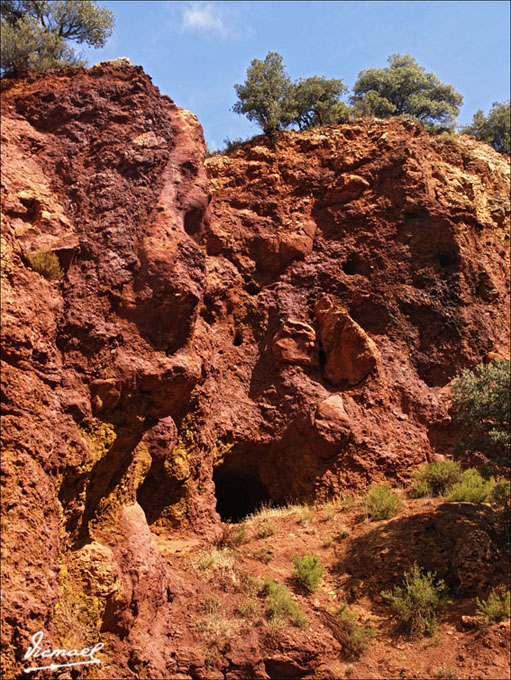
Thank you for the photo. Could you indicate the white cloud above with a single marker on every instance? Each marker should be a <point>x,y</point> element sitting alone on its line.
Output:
<point>204,16</point>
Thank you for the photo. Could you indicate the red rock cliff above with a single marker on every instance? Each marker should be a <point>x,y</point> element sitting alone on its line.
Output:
<point>295,337</point>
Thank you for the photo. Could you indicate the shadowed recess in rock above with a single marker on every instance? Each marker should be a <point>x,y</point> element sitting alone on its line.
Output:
<point>239,492</point>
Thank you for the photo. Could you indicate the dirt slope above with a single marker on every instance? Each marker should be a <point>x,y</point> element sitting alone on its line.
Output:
<point>280,325</point>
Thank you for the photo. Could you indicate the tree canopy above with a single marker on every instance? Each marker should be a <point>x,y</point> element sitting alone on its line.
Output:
<point>405,89</point>
<point>264,98</point>
<point>316,101</point>
<point>495,129</point>
<point>35,33</point>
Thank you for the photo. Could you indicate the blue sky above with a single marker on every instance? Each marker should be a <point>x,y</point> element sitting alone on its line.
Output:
<point>196,51</point>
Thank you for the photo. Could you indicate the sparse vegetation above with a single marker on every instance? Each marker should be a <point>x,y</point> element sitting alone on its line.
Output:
<point>445,673</point>
<point>417,602</point>
<point>306,514</point>
<point>501,492</point>
<point>496,607</point>
<point>308,571</point>
<point>435,479</point>
<point>216,563</point>
<point>211,603</point>
<point>381,502</point>
<point>234,536</point>
<point>263,555</point>
<point>248,609</point>
<point>353,636</point>
<point>280,605</point>
<point>45,263</point>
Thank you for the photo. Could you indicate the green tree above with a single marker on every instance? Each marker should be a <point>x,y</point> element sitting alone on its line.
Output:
<point>316,101</point>
<point>495,130</point>
<point>35,33</point>
<point>404,89</point>
<point>264,98</point>
<point>482,404</point>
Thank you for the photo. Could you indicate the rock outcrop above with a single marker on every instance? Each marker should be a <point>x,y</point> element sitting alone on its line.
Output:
<point>284,330</point>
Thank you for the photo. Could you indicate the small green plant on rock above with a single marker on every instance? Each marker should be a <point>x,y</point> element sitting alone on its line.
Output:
<point>497,607</point>
<point>308,571</point>
<point>417,601</point>
<point>435,479</point>
<point>381,502</point>
<point>281,606</point>
<point>45,263</point>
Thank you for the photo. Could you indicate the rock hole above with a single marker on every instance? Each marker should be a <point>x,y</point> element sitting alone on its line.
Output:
<point>322,358</point>
<point>238,338</point>
<point>239,492</point>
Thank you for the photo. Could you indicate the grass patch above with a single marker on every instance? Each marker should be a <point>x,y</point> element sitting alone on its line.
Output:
<point>280,605</point>
<point>308,571</point>
<point>248,609</point>
<point>417,602</point>
<point>435,479</point>
<point>306,514</point>
<point>216,563</point>
<point>263,555</point>
<point>497,607</point>
<point>45,263</point>
<point>381,502</point>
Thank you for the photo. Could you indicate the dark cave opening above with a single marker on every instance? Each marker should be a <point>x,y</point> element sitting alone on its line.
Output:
<point>239,492</point>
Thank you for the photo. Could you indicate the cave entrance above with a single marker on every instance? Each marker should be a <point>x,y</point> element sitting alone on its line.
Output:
<point>239,492</point>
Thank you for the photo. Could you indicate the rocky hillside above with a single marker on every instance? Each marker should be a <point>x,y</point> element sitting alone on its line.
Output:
<point>274,325</point>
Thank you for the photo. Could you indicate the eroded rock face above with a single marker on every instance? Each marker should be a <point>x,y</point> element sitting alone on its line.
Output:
<point>296,336</point>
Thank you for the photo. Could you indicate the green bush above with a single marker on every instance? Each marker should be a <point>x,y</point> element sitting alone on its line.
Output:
<point>381,502</point>
<point>494,129</point>
<point>435,479</point>
<point>308,571</point>
<point>471,488</point>
<point>354,637</point>
<point>45,263</point>
<point>501,492</point>
<point>281,606</point>
<point>417,601</point>
<point>496,607</point>
<point>482,403</point>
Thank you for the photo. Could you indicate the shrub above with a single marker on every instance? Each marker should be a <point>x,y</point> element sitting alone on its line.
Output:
<point>353,636</point>
<point>265,529</point>
<point>435,479</point>
<point>417,601</point>
<point>381,502</point>
<point>496,607</point>
<point>471,488</point>
<point>45,263</point>
<point>234,536</point>
<point>281,606</point>
<point>308,571</point>
<point>482,403</point>
<point>501,492</point>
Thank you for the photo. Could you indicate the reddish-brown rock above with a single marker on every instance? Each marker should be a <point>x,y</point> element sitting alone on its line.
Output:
<point>292,338</point>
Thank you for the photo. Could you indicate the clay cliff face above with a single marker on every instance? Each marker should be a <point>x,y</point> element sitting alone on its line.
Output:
<point>283,330</point>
